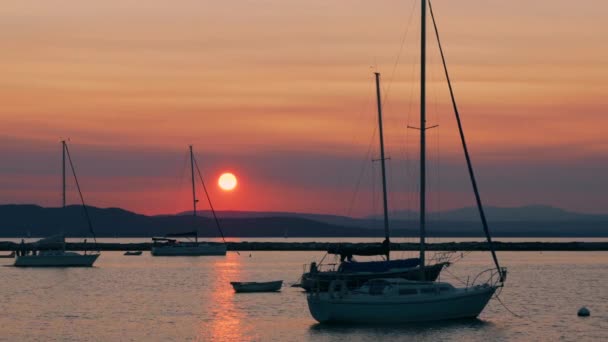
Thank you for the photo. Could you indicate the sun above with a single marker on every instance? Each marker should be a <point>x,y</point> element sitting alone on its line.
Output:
<point>227,181</point>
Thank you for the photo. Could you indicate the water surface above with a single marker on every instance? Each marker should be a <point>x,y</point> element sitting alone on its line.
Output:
<point>189,298</point>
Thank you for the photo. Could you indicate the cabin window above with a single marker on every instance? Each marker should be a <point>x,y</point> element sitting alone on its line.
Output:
<point>427,290</point>
<point>444,288</point>
<point>377,287</point>
<point>405,292</point>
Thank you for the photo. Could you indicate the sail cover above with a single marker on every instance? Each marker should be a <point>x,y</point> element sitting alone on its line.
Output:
<point>379,266</point>
<point>346,251</point>
<point>51,240</point>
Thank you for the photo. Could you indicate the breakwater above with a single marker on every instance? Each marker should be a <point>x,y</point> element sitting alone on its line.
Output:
<point>323,246</point>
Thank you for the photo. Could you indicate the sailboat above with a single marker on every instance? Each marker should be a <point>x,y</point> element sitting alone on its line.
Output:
<point>356,273</point>
<point>395,300</point>
<point>169,245</point>
<point>51,251</point>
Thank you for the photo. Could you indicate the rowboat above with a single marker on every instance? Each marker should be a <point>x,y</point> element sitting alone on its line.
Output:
<point>269,286</point>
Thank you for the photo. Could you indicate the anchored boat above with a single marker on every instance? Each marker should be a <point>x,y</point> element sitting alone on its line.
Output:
<point>268,286</point>
<point>356,273</point>
<point>395,300</point>
<point>51,251</point>
<point>169,246</point>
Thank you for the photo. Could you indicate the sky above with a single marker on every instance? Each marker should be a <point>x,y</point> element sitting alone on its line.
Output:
<point>281,93</point>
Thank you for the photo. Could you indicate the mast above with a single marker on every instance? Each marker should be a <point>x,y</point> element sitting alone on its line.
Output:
<point>422,138</point>
<point>382,162</point>
<point>63,172</point>
<point>193,187</point>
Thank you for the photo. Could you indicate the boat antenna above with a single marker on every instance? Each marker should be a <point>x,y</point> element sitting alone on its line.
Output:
<point>387,241</point>
<point>422,139</point>
<point>84,206</point>
<point>466,151</point>
<point>217,222</point>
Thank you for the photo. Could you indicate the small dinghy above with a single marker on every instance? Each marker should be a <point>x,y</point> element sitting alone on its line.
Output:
<point>133,253</point>
<point>269,286</point>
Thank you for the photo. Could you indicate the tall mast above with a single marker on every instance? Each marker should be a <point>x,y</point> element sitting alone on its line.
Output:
<point>382,159</point>
<point>422,138</point>
<point>63,172</point>
<point>193,184</point>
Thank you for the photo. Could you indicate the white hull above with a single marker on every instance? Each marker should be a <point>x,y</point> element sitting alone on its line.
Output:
<point>201,249</point>
<point>455,304</point>
<point>61,259</point>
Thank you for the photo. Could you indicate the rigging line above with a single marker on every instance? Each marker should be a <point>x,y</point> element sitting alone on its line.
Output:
<point>84,206</point>
<point>408,160</point>
<point>362,171</point>
<point>453,275</point>
<point>403,37</point>
<point>374,195</point>
<point>365,160</point>
<point>217,222</point>
<point>466,151</point>
<point>505,306</point>
<point>182,172</point>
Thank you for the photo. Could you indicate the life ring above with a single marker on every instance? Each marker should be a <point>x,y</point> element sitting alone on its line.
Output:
<point>337,288</point>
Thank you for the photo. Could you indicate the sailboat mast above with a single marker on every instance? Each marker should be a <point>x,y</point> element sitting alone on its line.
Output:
<point>382,162</point>
<point>193,190</point>
<point>422,138</point>
<point>63,172</point>
<point>193,184</point>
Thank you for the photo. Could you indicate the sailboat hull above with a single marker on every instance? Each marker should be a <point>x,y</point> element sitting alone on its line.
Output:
<point>465,303</point>
<point>64,259</point>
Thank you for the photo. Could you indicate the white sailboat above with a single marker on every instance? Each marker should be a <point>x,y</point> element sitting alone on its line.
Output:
<point>170,246</point>
<point>54,257</point>
<point>401,300</point>
<point>51,251</point>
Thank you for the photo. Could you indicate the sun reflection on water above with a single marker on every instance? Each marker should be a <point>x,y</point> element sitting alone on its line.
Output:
<point>225,323</point>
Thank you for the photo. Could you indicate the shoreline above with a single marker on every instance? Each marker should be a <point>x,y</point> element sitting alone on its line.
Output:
<point>323,246</point>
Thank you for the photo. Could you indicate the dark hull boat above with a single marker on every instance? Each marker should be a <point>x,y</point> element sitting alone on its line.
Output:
<point>355,275</point>
<point>269,286</point>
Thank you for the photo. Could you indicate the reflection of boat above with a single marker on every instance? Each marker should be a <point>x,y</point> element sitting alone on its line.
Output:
<point>394,300</point>
<point>133,253</point>
<point>51,251</point>
<point>167,246</point>
<point>356,273</point>
<point>269,286</point>
<point>10,255</point>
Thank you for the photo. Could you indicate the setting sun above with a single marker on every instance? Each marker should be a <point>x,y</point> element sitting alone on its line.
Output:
<point>227,181</point>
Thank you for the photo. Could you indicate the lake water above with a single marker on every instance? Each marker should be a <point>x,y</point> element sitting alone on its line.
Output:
<point>139,298</point>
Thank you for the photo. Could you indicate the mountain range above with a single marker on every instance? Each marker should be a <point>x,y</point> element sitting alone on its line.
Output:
<point>527,221</point>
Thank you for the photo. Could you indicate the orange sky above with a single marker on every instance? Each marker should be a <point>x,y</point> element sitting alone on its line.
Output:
<point>281,93</point>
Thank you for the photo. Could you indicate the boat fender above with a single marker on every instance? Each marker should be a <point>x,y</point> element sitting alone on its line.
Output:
<point>583,312</point>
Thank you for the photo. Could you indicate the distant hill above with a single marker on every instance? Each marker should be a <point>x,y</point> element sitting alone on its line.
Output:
<point>531,213</point>
<point>529,221</point>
